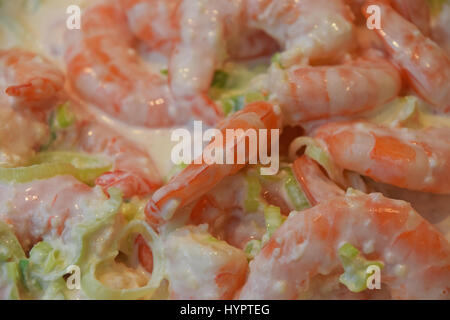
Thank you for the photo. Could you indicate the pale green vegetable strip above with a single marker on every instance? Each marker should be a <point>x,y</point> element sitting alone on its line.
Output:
<point>355,266</point>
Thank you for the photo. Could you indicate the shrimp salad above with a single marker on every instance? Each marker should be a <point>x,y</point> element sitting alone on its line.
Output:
<point>93,206</point>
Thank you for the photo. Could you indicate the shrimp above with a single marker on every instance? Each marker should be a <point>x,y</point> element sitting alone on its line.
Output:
<point>117,80</point>
<point>32,86</point>
<point>425,64</point>
<point>202,47</point>
<point>44,208</point>
<point>316,185</point>
<point>310,93</point>
<point>30,81</point>
<point>202,267</point>
<point>18,149</point>
<point>154,22</point>
<point>197,179</point>
<point>416,11</point>
<point>416,256</point>
<point>134,172</point>
<point>416,160</point>
<point>439,27</point>
<point>312,30</point>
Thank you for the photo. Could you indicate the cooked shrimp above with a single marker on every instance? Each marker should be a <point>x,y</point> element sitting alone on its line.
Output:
<point>16,149</point>
<point>201,49</point>
<point>425,64</point>
<point>29,80</point>
<point>416,256</point>
<point>309,93</point>
<point>154,21</point>
<point>411,159</point>
<point>117,80</point>
<point>309,30</point>
<point>317,186</point>
<point>202,267</point>
<point>134,172</point>
<point>416,11</point>
<point>197,179</point>
<point>44,208</point>
<point>32,86</point>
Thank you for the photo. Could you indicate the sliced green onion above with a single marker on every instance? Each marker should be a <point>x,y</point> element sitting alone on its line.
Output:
<point>220,79</point>
<point>64,117</point>
<point>355,266</point>
<point>252,248</point>
<point>274,219</point>
<point>276,59</point>
<point>294,192</point>
<point>253,198</point>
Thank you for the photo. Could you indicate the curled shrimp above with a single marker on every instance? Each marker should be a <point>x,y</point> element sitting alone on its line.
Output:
<point>117,80</point>
<point>425,64</point>
<point>197,179</point>
<point>44,208</point>
<point>309,30</point>
<point>412,159</point>
<point>305,247</point>
<point>309,93</point>
<point>202,267</point>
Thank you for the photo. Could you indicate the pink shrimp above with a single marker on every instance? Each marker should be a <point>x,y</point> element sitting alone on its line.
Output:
<point>316,185</point>
<point>154,21</point>
<point>202,267</point>
<point>32,86</point>
<point>411,159</point>
<point>309,93</point>
<point>117,80</point>
<point>44,208</point>
<point>416,11</point>
<point>425,64</point>
<point>134,172</point>
<point>416,256</point>
<point>311,30</point>
<point>197,179</point>
<point>29,80</point>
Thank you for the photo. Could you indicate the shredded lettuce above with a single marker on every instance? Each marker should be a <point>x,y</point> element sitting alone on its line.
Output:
<point>11,253</point>
<point>355,267</point>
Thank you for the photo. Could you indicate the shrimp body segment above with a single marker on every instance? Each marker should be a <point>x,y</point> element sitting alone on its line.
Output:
<point>197,179</point>
<point>308,30</point>
<point>411,159</point>
<point>202,267</point>
<point>416,256</point>
<point>316,185</point>
<point>105,70</point>
<point>310,93</point>
<point>426,65</point>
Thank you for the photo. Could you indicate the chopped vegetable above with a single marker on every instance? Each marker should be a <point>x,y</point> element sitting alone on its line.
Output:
<point>355,266</point>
